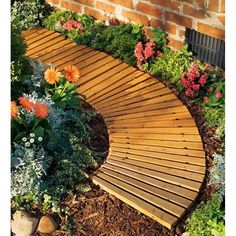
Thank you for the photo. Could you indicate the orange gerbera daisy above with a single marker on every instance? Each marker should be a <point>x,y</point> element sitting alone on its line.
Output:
<point>41,110</point>
<point>14,110</point>
<point>26,103</point>
<point>52,75</point>
<point>72,73</point>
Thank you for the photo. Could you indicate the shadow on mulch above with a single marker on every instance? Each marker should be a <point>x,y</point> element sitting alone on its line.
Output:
<point>97,213</point>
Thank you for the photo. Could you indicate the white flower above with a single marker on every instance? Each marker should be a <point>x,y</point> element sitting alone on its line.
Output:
<point>27,144</point>
<point>40,139</point>
<point>24,139</point>
<point>32,135</point>
<point>31,140</point>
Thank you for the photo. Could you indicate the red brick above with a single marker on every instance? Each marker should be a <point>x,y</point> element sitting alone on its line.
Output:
<point>105,7</point>
<point>167,4</point>
<point>148,32</point>
<point>191,11</point>
<point>96,14</point>
<point>201,3</point>
<point>221,19</point>
<point>213,5</point>
<point>149,9</point>
<point>175,43</point>
<point>179,20</point>
<point>125,3</point>
<point>55,2</point>
<point>222,8</point>
<point>86,2</point>
<point>71,6</point>
<point>156,23</point>
<point>181,33</point>
<point>136,17</point>
<point>211,31</point>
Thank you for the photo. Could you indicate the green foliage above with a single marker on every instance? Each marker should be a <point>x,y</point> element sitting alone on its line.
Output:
<point>172,64</point>
<point>215,117</point>
<point>120,41</point>
<point>208,219</point>
<point>27,14</point>
<point>159,38</point>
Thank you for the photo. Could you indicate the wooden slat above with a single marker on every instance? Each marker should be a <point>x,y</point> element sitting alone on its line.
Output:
<point>29,34</point>
<point>186,183</point>
<point>159,161</point>
<point>165,156</point>
<point>178,190</point>
<point>147,187</point>
<point>143,206</point>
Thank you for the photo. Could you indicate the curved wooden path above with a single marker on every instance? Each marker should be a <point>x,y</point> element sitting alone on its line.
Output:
<point>156,160</point>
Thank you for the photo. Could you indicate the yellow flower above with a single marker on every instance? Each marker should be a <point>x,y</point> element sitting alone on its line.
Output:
<point>52,75</point>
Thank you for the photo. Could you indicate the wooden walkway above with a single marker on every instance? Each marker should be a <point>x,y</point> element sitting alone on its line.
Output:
<point>156,160</point>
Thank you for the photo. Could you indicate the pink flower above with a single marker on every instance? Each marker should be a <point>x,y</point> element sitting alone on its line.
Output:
<point>149,50</point>
<point>138,52</point>
<point>189,93</point>
<point>211,90</point>
<point>202,80</point>
<point>72,24</point>
<point>206,99</point>
<point>196,87</point>
<point>185,83</point>
<point>219,94</point>
<point>193,72</point>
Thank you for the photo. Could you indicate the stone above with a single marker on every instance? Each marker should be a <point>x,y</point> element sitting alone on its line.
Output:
<point>23,224</point>
<point>47,225</point>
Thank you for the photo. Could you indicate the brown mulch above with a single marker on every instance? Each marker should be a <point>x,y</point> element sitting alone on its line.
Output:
<point>97,213</point>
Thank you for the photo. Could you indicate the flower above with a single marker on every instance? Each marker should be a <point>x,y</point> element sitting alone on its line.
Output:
<point>14,110</point>
<point>26,103</point>
<point>73,24</point>
<point>31,140</point>
<point>24,139</point>
<point>189,93</point>
<point>52,75</point>
<point>211,90</point>
<point>41,110</point>
<point>40,139</point>
<point>27,144</point>
<point>196,87</point>
<point>149,50</point>
<point>202,80</point>
<point>206,99</point>
<point>32,135</point>
<point>138,52</point>
<point>219,94</point>
<point>72,73</point>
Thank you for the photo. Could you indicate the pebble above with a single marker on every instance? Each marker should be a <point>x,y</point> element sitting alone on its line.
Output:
<point>47,225</point>
<point>23,224</point>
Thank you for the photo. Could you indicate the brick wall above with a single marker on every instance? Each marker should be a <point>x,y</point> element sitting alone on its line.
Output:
<point>205,16</point>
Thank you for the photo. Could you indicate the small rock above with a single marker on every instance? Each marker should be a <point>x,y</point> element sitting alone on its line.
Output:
<point>47,225</point>
<point>23,224</point>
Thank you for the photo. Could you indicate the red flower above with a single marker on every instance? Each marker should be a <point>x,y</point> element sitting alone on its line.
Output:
<point>206,99</point>
<point>138,52</point>
<point>219,94</point>
<point>196,87</point>
<point>41,110</point>
<point>202,80</point>
<point>14,110</point>
<point>189,93</point>
<point>211,90</point>
<point>26,103</point>
<point>149,50</point>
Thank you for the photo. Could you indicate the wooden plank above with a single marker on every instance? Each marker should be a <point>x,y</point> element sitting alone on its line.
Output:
<point>159,161</point>
<point>159,202</point>
<point>65,51</point>
<point>160,155</point>
<point>29,34</point>
<point>172,197</point>
<point>142,146</point>
<point>139,107</point>
<point>91,86</point>
<point>143,206</point>
<point>159,143</point>
<point>49,49</point>
<point>177,190</point>
<point>186,183</point>
<point>94,93</point>
<point>157,123</point>
<point>187,175</point>
<point>166,137</point>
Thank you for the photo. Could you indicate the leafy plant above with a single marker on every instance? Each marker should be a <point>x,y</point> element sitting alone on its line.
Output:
<point>208,219</point>
<point>171,64</point>
<point>160,38</point>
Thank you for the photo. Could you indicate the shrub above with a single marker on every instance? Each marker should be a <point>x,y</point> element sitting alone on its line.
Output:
<point>208,219</point>
<point>170,65</point>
